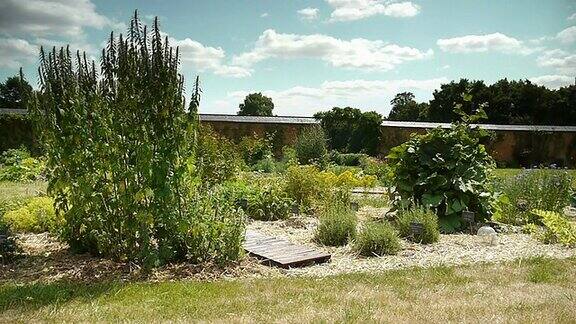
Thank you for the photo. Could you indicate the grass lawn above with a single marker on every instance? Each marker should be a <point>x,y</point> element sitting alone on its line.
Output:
<point>19,190</point>
<point>536,290</point>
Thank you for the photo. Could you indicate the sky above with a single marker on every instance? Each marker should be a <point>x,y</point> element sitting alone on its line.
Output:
<point>312,55</point>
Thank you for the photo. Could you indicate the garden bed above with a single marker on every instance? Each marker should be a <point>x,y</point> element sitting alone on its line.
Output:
<point>47,260</point>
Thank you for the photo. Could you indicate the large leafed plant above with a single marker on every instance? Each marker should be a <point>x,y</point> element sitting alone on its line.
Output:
<point>446,170</point>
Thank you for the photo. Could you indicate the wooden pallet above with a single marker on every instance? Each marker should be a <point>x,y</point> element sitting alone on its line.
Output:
<point>280,252</point>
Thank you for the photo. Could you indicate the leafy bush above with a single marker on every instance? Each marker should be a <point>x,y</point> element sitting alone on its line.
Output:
<point>254,149</point>
<point>36,216</point>
<point>268,202</point>
<point>8,248</point>
<point>376,239</point>
<point>426,217</point>
<point>347,159</point>
<point>446,170</point>
<point>266,165</point>
<point>121,151</point>
<point>311,146</point>
<point>308,186</point>
<point>14,156</point>
<point>377,168</point>
<point>542,189</point>
<point>351,130</point>
<point>557,229</point>
<point>337,224</point>
<point>217,158</point>
<point>18,167</point>
<point>215,231</point>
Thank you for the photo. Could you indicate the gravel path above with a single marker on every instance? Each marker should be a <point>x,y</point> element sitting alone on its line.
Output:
<point>454,249</point>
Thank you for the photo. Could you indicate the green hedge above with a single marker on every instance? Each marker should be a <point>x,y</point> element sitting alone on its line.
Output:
<point>16,131</point>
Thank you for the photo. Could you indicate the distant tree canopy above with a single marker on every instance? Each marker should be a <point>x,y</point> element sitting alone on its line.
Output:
<point>507,102</point>
<point>12,91</point>
<point>404,107</point>
<point>350,130</point>
<point>255,104</point>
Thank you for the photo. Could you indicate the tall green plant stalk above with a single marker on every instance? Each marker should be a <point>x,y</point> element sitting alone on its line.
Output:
<point>120,145</point>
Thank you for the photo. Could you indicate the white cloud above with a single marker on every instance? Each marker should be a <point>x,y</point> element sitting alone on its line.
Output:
<point>348,10</point>
<point>572,17</point>
<point>16,52</point>
<point>568,35</point>
<point>561,61</point>
<point>264,15</point>
<point>495,42</point>
<point>308,13</point>
<point>356,53</point>
<point>305,101</point>
<point>206,58</point>
<point>50,17</point>
<point>553,81</point>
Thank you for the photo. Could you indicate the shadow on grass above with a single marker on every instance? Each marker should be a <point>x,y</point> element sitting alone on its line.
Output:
<point>36,295</point>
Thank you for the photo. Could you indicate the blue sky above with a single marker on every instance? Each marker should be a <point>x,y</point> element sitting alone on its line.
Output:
<point>313,55</point>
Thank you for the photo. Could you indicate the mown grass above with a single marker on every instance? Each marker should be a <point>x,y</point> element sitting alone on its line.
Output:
<point>536,290</point>
<point>20,190</point>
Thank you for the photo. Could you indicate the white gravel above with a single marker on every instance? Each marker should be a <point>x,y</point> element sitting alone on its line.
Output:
<point>454,249</point>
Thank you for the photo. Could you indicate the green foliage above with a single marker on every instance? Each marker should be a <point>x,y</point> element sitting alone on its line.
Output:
<point>375,167</point>
<point>14,156</point>
<point>14,91</point>
<point>255,149</point>
<point>120,148</point>
<point>9,250</point>
<point>311,146</point>
<point>28,169</point>
<point>15,132</point>
<point>37,215</point>
<point>347,159</point>
<point>337,223</point>
<point>557,229</point>
<point>214,230</point>
<point>543,189</point>
<point>216,157</point>
<point>405,108</point>
<point>446,170</point>
<point>350,130</point>
<point>268,202</point>
<point>255,104</point>
<point>308,186</point>
<point>426,217</point>
<point>377,239</point>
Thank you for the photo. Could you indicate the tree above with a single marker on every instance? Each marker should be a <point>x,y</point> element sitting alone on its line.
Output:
<point>350,130</point>
<point>255,104</point>
<point>405,108</point>
<point>450,95</point>
<point>12,91</point>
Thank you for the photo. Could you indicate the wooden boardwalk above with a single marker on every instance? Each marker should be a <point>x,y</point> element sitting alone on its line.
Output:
<point>280,252</point>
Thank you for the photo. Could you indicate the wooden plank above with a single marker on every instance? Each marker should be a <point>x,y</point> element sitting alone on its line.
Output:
<point>281,252</point>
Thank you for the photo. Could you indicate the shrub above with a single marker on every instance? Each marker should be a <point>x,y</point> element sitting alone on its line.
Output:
<point>36,216</point>
<point>376,239</point>
<point>215,231</point>
<point>337,224</point>
<point>254,149</point>
<point>426,217</point>
<point>268,202</point>
<point>121,153</point>
<point>217,158</point>
<point>351,130</point>
<point>311,146</point>
<point>266,165</point>
<point>28,169</point>
<point>446,170</point>
<point>529,190</point>
<point>557,229</point>
<point>8,248</point>
<point>303,186</point>
<point>14,156</point>
<point>380,169</point>
<point>346,159</point>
